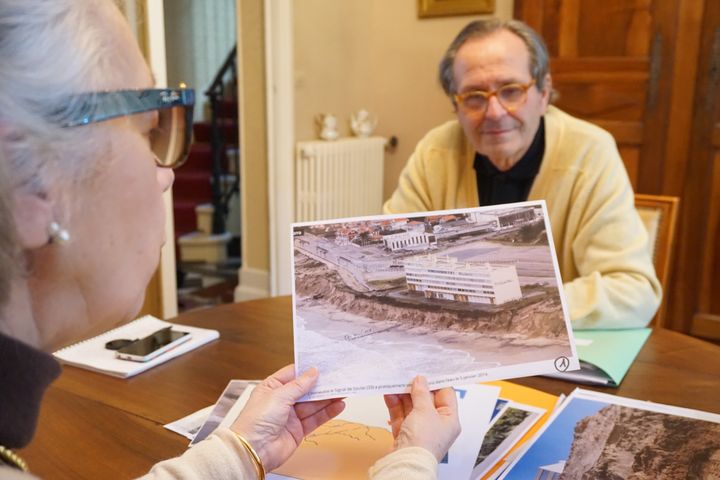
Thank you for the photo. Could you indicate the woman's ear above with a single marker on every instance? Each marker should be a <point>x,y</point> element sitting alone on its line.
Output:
<point>33,215</point>
<point>31,211</point>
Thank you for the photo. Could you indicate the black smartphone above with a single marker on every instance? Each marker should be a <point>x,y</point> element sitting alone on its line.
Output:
<point>147,348</point>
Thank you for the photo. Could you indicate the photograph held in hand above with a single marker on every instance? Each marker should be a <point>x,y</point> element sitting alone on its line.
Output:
<point>458,296</point>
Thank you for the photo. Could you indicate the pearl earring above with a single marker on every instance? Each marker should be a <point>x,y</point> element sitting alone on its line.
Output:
<point>58,234</point>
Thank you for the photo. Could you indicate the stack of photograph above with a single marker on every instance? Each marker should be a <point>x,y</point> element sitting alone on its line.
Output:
<point>469,299</point>
<point>596,435</point>
<point>462,297</point>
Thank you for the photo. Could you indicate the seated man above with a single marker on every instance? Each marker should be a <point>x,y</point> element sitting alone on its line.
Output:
<point>509,145</point>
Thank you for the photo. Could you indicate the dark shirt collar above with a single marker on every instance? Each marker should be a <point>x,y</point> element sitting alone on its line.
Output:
<point>25,374</point>
<point>513,185</point>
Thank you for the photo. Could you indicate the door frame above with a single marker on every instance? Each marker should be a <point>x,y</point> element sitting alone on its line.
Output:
<point>164,282</point>
<point>280,97</point>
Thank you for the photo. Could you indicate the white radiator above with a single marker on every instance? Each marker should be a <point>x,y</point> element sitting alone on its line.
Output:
<point>341,178</point>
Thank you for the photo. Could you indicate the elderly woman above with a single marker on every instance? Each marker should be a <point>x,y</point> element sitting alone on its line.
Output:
<point>86,151</point>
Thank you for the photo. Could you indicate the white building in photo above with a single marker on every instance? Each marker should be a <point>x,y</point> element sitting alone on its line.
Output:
<point>398,223</point>
<point>503,218</point>
<point>409,240</point>
<point>450,279</point>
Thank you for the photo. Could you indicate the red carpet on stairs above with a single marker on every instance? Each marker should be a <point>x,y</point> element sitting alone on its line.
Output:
<point>192,180</point>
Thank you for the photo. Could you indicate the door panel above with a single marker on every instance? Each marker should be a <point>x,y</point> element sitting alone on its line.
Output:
<point>648,71</point>
<point>600,63</point>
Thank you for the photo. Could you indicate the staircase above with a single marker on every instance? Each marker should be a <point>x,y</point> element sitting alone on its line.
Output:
<point>206,204</point>
<point>192,186</point>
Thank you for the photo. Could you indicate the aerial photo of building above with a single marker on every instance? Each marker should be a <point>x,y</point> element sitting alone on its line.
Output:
<point>503,218</point>
<point>450,279</point>
<point>408,240</point>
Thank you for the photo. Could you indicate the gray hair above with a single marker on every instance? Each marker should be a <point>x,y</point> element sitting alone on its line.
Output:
<point>8,260</point>
<point>539,58</point>
<point>50,51</point>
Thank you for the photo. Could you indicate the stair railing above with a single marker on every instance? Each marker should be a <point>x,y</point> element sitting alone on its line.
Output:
<point>221,192</point>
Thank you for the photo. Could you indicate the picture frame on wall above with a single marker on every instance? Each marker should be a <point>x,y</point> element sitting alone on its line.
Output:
<point>449,8</point>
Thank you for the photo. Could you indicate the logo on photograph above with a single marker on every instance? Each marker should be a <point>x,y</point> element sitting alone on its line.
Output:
<point>562,364</point>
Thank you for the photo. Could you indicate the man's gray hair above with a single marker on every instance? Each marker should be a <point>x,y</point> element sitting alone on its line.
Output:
<point>539,58</point>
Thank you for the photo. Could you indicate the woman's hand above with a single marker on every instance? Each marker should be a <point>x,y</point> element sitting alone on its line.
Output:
<point>423,418</point>
<point>274,424</point>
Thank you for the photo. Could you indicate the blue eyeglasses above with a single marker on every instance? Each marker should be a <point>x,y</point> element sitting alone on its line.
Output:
<point>170,140</point>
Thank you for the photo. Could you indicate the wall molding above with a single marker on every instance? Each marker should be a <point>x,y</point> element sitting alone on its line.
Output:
<point>281,139</point>
<point>158,65</point>
<point>253,283</point>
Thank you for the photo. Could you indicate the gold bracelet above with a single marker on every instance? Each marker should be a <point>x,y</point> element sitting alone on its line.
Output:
<point>259,468</point>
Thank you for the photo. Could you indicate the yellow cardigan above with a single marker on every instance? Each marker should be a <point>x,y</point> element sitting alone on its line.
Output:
<point>600,241</point>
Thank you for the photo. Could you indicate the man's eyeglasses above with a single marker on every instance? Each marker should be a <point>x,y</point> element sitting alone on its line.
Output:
<point>169,140</point>
<point>511,96</point>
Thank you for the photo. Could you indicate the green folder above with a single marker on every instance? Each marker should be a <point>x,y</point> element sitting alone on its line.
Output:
<point>605,355</point>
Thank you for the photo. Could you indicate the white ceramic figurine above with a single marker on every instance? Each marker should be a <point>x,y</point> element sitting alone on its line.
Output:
<point>362,123</point>
<point>327,126</point>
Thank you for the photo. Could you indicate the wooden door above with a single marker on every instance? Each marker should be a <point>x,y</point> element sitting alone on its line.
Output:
<point>605,63</point>
<point>700,224</point>
<point>643,70</point>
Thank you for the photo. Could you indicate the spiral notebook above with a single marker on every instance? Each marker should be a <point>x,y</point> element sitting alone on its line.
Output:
<point>91,354</point>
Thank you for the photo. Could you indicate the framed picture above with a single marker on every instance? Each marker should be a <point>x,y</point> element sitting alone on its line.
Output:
<point>447,8</point>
